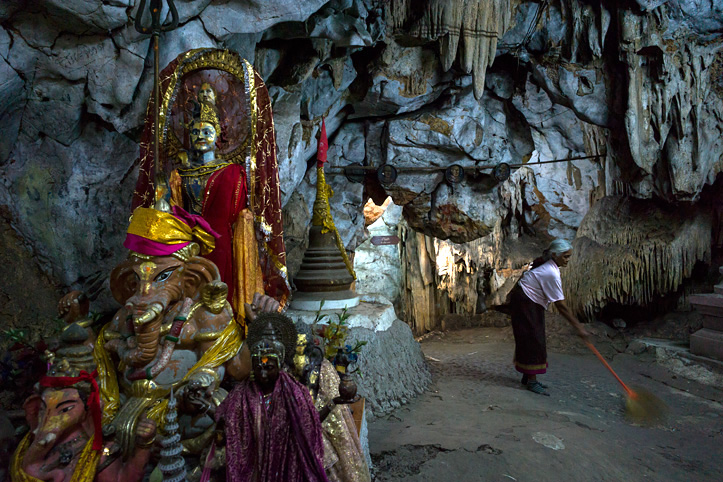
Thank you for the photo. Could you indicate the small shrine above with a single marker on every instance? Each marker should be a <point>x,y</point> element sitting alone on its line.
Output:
<point>326,276</point>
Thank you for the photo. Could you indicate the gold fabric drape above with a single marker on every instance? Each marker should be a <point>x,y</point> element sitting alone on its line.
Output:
<point>84,469</point>
<point>250,277</point>
<point>225,348</point>
<point>343,457</point>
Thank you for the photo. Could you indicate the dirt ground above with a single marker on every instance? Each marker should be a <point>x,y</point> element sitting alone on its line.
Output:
<point>478,423</point>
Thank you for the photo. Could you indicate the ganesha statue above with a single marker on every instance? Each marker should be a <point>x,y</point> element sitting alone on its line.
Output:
<point>175,325</point>
<point>67,440</point>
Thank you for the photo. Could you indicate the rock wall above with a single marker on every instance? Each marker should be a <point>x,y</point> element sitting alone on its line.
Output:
<point>415,84</point>
<point>634,252</point>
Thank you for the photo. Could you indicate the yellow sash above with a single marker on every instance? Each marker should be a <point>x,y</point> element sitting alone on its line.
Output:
<point>84,470</point>
<point>225,347</point>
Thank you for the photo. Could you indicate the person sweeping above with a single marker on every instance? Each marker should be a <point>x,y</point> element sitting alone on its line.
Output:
<point>531,297</point>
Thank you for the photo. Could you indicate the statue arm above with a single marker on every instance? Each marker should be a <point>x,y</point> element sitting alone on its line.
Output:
<point>239,367</point>
<point>134,467</point>
<point>174,184</point>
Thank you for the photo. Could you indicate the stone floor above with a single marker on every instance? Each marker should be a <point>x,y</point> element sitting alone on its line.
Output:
<point>477,423</point>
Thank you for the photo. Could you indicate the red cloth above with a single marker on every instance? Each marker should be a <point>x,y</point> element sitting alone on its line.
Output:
<point>323,146</point>
<point>93,400</point>
<point>263,194</point>
<point>225,198</point>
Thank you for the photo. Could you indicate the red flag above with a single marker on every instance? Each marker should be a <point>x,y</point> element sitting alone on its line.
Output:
<point>323,146</point>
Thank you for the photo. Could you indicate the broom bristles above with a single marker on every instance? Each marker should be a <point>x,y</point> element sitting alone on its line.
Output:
<point>644,408</point>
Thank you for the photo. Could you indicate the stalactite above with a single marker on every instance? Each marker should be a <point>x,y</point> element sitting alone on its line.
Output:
<point>631,252</point>
<point>442,277</point>
<point>465,29</point>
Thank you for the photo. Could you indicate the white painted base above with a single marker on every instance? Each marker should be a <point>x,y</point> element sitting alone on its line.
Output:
<point>373,313</point>
<point>333,300</point>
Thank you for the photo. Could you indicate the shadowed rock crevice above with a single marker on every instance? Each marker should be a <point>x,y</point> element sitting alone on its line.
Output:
<point>634,252</point>
<point>405,461</point>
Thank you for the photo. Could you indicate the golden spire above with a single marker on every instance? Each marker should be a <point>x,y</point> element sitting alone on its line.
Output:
<point>322,210</point>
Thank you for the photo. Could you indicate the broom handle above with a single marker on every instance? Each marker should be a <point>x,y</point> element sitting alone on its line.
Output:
<point>597,354</point>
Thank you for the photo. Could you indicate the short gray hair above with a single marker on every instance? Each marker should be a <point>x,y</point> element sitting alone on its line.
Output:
<point>559,246</point>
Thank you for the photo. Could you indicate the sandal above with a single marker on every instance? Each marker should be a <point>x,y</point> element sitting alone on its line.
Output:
<point>536,387</point>
<point>525,379</point>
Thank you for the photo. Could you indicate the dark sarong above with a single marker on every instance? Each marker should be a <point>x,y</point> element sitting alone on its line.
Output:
<point>528,326</point>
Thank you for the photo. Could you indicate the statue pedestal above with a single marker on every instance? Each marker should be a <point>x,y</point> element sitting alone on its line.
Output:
<point>708,341</point>
<point>392,361</point>
<point>333,300</point>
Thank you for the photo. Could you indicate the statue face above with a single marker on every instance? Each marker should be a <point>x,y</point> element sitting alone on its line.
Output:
<point>301,343</point>
<point>61,412</point>
<point>203,137</point>
<point>266,370</point>
<point>157,281</point>
<point>207,94</point>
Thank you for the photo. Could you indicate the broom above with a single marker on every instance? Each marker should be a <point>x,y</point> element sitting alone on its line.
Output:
<point>641,406</point>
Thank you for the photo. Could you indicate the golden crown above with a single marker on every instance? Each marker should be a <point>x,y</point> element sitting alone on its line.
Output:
<point>209,115</point>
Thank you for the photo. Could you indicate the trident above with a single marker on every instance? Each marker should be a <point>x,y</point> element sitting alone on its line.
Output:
<point>155,30</point>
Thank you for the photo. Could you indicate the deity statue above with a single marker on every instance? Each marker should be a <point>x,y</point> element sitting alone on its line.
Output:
<point>271,428</point>
<point>222,166</point>
<point>198,268</point>
<point>175,329</point>
<point>343,456</point>
<point>175,332</point>
<point>66,440</point>
<point>215,190</point>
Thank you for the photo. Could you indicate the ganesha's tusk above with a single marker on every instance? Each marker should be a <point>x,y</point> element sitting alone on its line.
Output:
<point>152,312</point>
<point>47,440</point>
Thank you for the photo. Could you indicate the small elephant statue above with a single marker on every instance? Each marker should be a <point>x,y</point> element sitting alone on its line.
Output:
<point>67,440</point>
<point>61,428</point>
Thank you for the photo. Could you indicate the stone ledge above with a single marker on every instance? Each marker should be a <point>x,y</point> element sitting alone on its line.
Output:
<point>372,313</point>
<point>678,358</point>
<point>707,343</point>
<point>714,323</point>
<point>707,304</point>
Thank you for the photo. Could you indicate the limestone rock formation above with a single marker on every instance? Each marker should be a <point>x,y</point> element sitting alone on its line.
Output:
<point>378,266</point>
<point>467,30</point>
<point>634,252</point>
<point>430,83</point>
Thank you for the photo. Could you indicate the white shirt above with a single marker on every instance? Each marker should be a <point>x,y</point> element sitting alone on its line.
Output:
<point>543,284</point>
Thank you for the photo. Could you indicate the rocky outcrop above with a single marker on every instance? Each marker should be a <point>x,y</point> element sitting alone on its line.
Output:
<point>418,85</point>
<point>674,108</point>
<point>377,263</point>
<point>634,252</point>
<point>467,30</point>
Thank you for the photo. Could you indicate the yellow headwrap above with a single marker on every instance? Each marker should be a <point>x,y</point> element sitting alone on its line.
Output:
<point>159,233</point>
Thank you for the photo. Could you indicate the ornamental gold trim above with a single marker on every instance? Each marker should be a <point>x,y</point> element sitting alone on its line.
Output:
<point>201,59</point>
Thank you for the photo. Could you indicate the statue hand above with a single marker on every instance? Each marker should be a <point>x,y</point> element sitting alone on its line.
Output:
<point>197,399</point>
<point>145,431</point>
<point>261,304</point>
<point>73,306</point>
